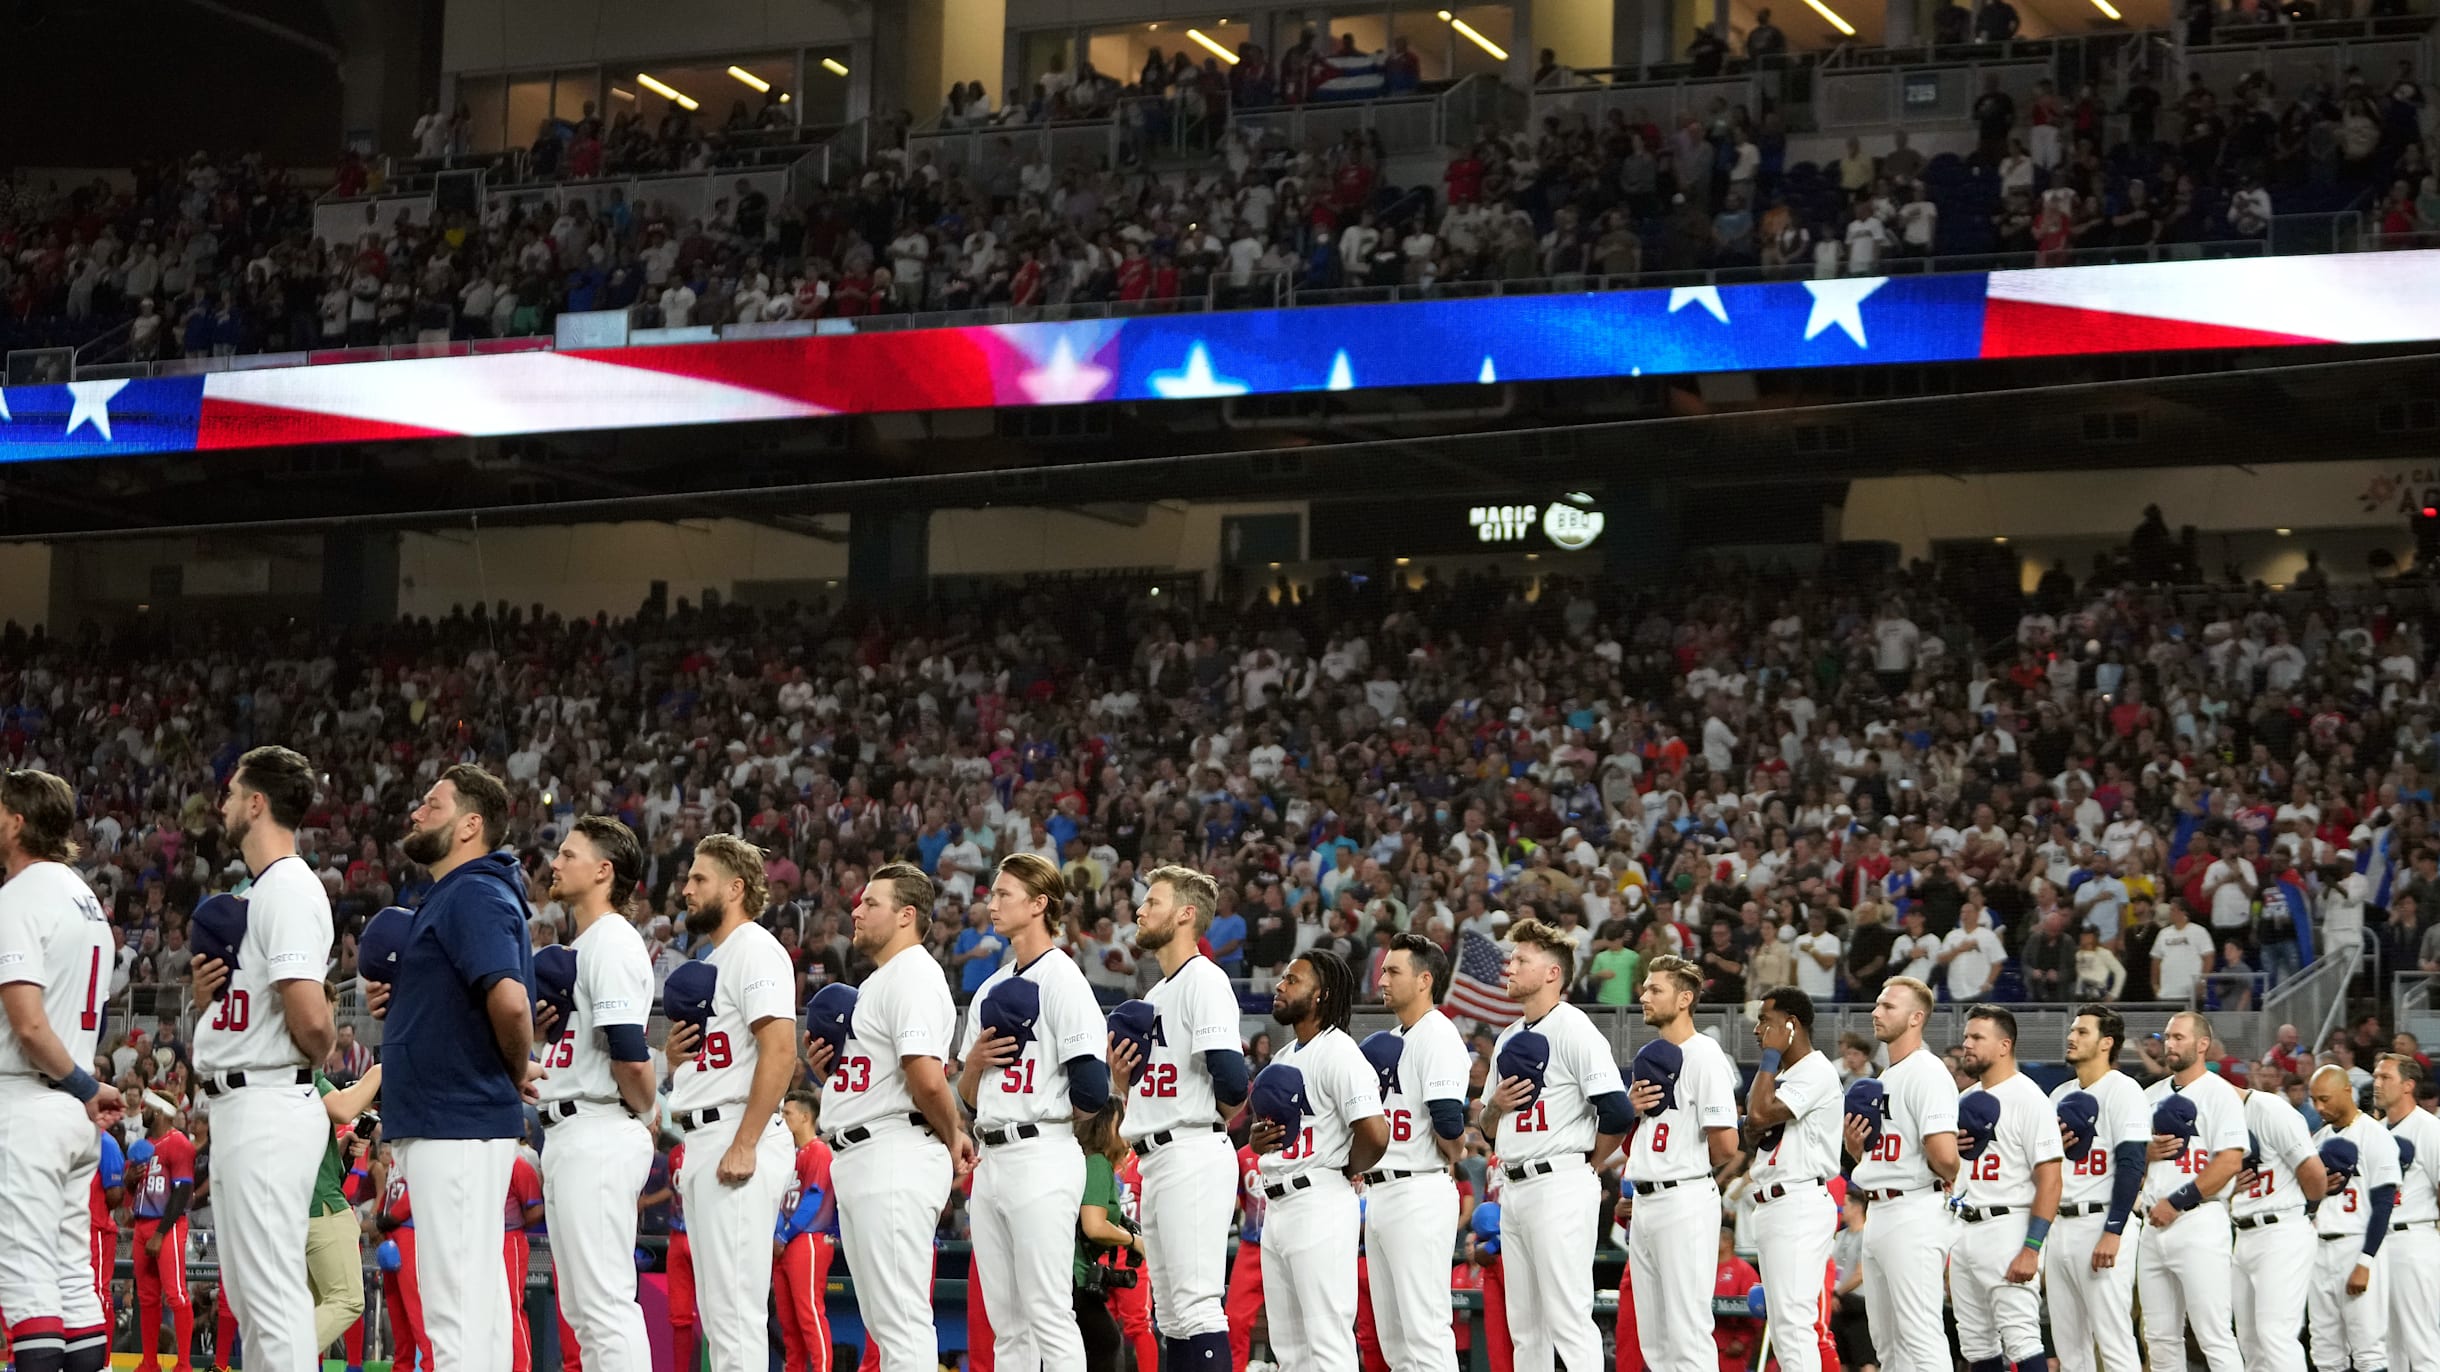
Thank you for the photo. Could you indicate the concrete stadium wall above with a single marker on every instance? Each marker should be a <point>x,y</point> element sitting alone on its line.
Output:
<point>585,569</point>
<point>1173,536</point>
<point>490,35</point>
<point>25,584</point>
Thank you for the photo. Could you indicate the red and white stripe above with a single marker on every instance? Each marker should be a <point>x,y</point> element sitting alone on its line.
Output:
<point>2348,298</point>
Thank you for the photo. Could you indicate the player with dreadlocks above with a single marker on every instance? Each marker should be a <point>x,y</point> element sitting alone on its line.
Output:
<point>1318,1121</point>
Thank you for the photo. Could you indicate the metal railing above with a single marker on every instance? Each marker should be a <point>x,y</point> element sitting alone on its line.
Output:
<point>2315,999</point>
<point>2414,1005</point>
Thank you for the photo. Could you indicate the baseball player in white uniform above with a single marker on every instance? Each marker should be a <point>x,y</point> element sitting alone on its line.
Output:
<point>1555,1114</point>
<point>1904,1158</point>
<point>1317,1122</point>
<point>598,1097</point>
<point>2183,1279</point>
<point>261,1026</point>
<point>2089,1274</point>
<point>2349,1304</point>
<point>1410,1198</point>
<point>2275,1245</point>
<point>1190,1072</point>
<point>2006,1199</point>
<point>1033,1059</point>
<point>55,950</point>
<point>1680,1132</point>
<point>896,1138</point>
<point>726,1083</point>
<point>2413,1246</point>
<point>1792,1110</point>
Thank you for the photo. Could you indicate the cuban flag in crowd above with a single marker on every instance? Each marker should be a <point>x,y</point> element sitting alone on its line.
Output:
<point>1351,76</point>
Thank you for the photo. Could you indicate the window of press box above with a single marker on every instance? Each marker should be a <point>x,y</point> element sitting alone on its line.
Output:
<point>1124,53</point>
<point>1449,43</point>
<point>509,111</point>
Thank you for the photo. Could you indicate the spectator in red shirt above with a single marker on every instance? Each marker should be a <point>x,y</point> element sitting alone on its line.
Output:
<point>1736,1336</point>
<point>520,1212</point>
<point>163,1183</point>
<point>1464,178</point>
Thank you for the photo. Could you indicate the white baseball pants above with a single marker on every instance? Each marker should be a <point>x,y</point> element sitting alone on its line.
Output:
<point>1906,1246</point>
<point>1793,1234</point>
<point>2092,1312</point>
<point>2184,1281</point>
<point>1996,1318</point>
<point>2271,1278</point>
<point>2349,1331</point>
<point>1309,1274</point>
<point>1190,1190</point>
<point>593,1168</point>
<point>460,1188</point>
<point>1409,1225</point>
<point>1026,1194</point>
<point>728,1229</point>
<point>267,1146</point>
<point>891,1190</point>
<point>2413,1256</point>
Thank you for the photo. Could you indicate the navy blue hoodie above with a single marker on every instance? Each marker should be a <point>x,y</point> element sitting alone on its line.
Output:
<point>442,1077</point>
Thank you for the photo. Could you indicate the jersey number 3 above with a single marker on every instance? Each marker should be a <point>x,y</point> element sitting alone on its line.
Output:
<point>235,1012</point>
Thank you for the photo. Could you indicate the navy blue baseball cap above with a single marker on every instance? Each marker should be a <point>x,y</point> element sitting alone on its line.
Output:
<point>830,1016</point>
<point>2080,1119</point>
<point>687,998</point>
<point>555,983</point>
<point>1279,1096</point>
<point>1382,1049</point>
<point>383,939</point>
<point>1660,1062</point>
<point>1011,1009</point>
<point>2339,1158</point>
<point>2175,1117</point>
<point>217,930</point>
<point>1977,1117</point>
<point>1132,1021</point>
<point>1526,1054</point>
<point>2406,1154</point>
<point>2253,1151</point>
<point>1868,1100</point>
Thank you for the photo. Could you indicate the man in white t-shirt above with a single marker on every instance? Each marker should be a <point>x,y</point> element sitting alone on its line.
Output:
<point>1894,637</point>
<point>2231,884</point>
<point>1973,955</point>
<point>1913,951</point>
<point>2179,955</point>
<point>1817,954</point>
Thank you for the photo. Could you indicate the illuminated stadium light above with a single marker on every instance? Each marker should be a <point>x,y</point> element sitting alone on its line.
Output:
<point>1848,29</point>
<point>834,66</point>
<point>1497,52</point>
<point>685,101</point>
<point>1211,47</point>
<point>750,79</point>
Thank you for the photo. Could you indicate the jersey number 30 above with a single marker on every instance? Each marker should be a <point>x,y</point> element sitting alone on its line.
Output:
<point>235,1012</point>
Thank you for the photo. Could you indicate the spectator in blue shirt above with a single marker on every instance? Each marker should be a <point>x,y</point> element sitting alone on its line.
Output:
<point>456,1054</point>
<point>977,951</point>
<point>1227,938</point>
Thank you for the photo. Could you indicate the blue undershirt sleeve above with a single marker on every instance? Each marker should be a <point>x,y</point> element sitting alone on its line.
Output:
<point>626,1043</point>
<point>1612,1112</point>
<point>2129,1161</point>
<point>1088,1083</point>
<point>2376,1225</point>
<point>1448,1118</point>
<point>1227,1067</point>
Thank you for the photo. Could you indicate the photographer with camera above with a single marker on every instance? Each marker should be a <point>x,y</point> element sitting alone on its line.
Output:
<point>1109,1251</point>
<point>334,1265</point>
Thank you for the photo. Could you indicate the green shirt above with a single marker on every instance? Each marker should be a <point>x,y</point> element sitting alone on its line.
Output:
<point>1620,989</point>
<point>1100,1188</point>
<point>330,1184</point>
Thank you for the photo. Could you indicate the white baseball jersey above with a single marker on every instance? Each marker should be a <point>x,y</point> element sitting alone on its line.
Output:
<point>1340,1089</point>
<point>1433,1064</point>
<point>1197,1014</point>
<point>53,935</point>
<point>2277,1130</point>
<point>903,1010</point>
<point>1033,1087</point>
<point>2123,1118</point>
<point>2219,1125</point>
<point>2348,1211</point>
<point>613,986</point>
<point>1673,1145</point>
<point>2417,1184</point>
<point>756,982</point>
<point>1561,1120</point>
<point>1922,1103</point>
<point>2026,1136</point>
<point>288,938</point>
<point>1808,1146</point>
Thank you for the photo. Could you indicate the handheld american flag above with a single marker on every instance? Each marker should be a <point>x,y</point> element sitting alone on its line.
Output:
<point>1479,988</point>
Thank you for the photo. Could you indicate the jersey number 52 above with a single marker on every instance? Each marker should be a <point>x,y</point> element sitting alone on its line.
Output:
<point>1160,1079</point>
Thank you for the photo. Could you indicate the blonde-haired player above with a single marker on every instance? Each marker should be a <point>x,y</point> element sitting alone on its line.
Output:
<point>726,1082</point>
<point>1902,1166</point>
<point>1193,1070</point>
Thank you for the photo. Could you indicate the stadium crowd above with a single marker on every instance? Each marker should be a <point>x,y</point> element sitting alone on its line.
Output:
<point>219,257</point>
<point>2107,791</point>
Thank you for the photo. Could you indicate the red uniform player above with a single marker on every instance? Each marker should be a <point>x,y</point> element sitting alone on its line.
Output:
<point>165,1183</point>
<point>109,1190</point>
<point>1245,1275</point>
<point>521,1211</point>
<point>800,1269</point>
<point>681,1270</point>
<point>398,1292</point>
<point>1738,1337</point>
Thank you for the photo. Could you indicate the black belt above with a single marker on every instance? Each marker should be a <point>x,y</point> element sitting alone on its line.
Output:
<point>1283,1188</point>
<point>1786,1188</point>
<point>2333,1238</point>
<point>863,1133</point>
<point>2266,1221</point>
<point>555,1111</point>
<point>2077,1212</point>
<point>2403,1225</point>
<point>1145,1145</point>
<point>1401,1174</point>
<point>691,1120</point>
<point>1535,1169</point>
<point>1976,1214</point>
<point>1888,1193</point>
<point>993,1138</point>
<point>219,1083</point>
